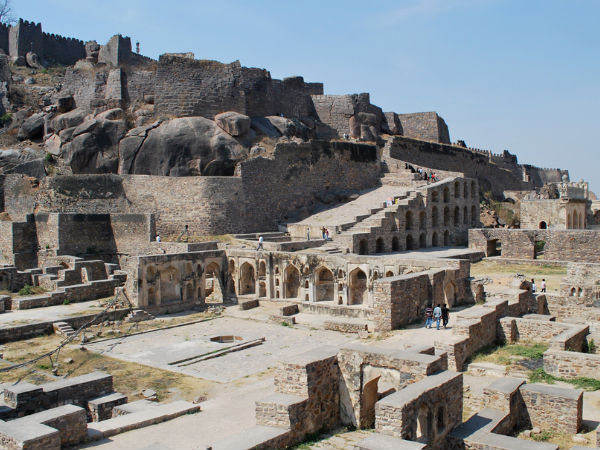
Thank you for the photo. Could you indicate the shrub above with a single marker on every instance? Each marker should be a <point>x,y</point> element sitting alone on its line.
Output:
<point>26,290</point>
<point>49,158</point>
<point>5,118</point>
<point>592,346</point>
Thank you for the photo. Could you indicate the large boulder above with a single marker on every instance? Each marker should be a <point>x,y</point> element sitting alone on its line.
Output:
<point>291,127</point>
<point>179,147</point>
<point>234,123</point>
<point>364,126</point>
<point>32,127</point>
<point>33,60</point>
<point>94,147</point>
<point>69,119</point>
<point>27,161</point>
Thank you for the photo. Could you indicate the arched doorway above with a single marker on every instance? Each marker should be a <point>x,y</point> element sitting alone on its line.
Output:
<point>456,216</point>
<point>409,220</point>
<point>379,246</point>
<point>5,282</point>
<point>446,238</point>
<point>446,195</point>
<point>422,241</point>
<point>456,189</point>
<point>395,244</point>
<point>324,285</point>
<point>292,282</point>
<point>543,225</point>
<point>389,273</point>
<point>434,239</point>
<point>424,425</point>
<point>170,285</point>
<point>473,216</point>
<point>422,220</point>
<point>262,269</point>
<point>409,242</point>
<point>434,216</point>
<point>446,216</point>
<point>247,279</point>
<point>358,286</point>
<point>363,247</point>
<point>262,289</point>
<point>465,216</point>
<point>450,294</point>
<point>213,289</point>
<point>434,196</point>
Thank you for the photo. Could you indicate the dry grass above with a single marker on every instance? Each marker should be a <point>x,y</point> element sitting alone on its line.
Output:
<point>502,274</point>
<point>563,440</point>
<point>128,378</point>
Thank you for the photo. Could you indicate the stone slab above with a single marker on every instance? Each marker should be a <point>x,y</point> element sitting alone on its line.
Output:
<point>250,438</point>
<point>383,442</point>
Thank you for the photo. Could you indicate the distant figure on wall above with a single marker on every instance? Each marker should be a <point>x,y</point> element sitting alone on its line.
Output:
<point>543,285</point>
<point>307,233</point>
<point>428,316</point>
<point>158,238</point>
<point>260,243</point>
<point>532,286</point>
<point>445,315</point>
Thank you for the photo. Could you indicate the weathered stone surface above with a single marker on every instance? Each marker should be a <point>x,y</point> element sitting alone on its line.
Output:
<point>179,147</point>
<point>290,127</point>
<point>94,148</point>
<point>234,123</point>
<point>69,119</point>
<point>12,158</point>
<point>33,60</point>
<point>64,103</point>
<point>32,127</point>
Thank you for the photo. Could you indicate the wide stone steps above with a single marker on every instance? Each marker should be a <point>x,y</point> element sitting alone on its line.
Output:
<point>63,328</point>
<point>145,416</point>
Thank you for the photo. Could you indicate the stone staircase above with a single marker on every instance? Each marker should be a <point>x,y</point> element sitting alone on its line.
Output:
<point>63,328</point>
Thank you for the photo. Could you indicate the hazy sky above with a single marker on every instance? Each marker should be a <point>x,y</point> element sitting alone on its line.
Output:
<point>522,75</point>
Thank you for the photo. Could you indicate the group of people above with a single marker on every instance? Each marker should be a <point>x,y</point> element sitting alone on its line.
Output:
<point>533,287</point>
<point>428,176</point>
<point>440,313</point>
<point>325,233</point>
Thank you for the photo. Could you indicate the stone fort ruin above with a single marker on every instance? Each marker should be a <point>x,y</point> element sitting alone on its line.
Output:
<point>186,185</point>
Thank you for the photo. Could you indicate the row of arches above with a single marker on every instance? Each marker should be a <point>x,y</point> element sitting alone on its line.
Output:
<point>410,242</point>
<point>457,191</point>
<point>575,220</point>
<point>448,217</point>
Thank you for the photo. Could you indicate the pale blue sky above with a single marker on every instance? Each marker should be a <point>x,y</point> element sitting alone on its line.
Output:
<point>522,75</point>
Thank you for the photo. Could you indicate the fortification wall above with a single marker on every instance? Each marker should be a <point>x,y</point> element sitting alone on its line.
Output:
<point>27,36</point>
<point>472,163</point>
<point>427,126</point>
<point>335,111</point>
<point>268,191</point>
<point>188,87</point>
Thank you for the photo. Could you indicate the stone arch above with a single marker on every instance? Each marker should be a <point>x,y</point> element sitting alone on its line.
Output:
<point>473,216</point>
<point>292,282</point>
<point>408,224</point>
<point>212,281</point>
<point>324,285</point>
<point>422,220</point>
<point>473,191</point>
<point>465,215</point>
<point>446,216</point>
<point>262,269</point>
<point>434,196</point>
<point>395,244</point>
<point>276,270</point>
<point>409,242</point>
<point>434,216</point>
<point>422,241</point>
<point>573,291</point>
<point>543,225</point>
<point>456,189</point>
<point>456,216</point>
<point>446,238</point>
<point>446,194</point>
<point>363,247</point>
<point>152,300</point>
<point>189,292</point>
<point>440,422</point>
<point>358,287</point>
<point>465,190</point>
<point>170,285</point>
<point>434,239</point>
<point>231,267</point>
<point>262,289</point>
<point>368,398</point>
<point>150,275</point>
<point>450,294</point>
<point>247,279</point>
<point>379,245</point>
<point>569,225</point>
<point>574,221</point>
<point>579,292</point>
<point>424,432</point>
<point>189,269</point>
<point>389,273</point>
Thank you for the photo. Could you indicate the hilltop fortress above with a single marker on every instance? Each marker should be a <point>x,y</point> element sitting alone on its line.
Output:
<point>185,185</point>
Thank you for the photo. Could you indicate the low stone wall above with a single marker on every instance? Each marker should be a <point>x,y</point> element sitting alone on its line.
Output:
<point>345,327</point>
<point>435,402</point>
<point>560,245</point>
<point>559,336</point>
<point>550,407</point>
<point>570,365</point>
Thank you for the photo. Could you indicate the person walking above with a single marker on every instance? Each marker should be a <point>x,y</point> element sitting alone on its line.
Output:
<point>307,233</point>
<point>260,243</point>
<point>158,238</point>
<point>543,285</point>
<point>437,315</point>
<point>445,315</point>
<point>428,316</point>
<point>532,286</point>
